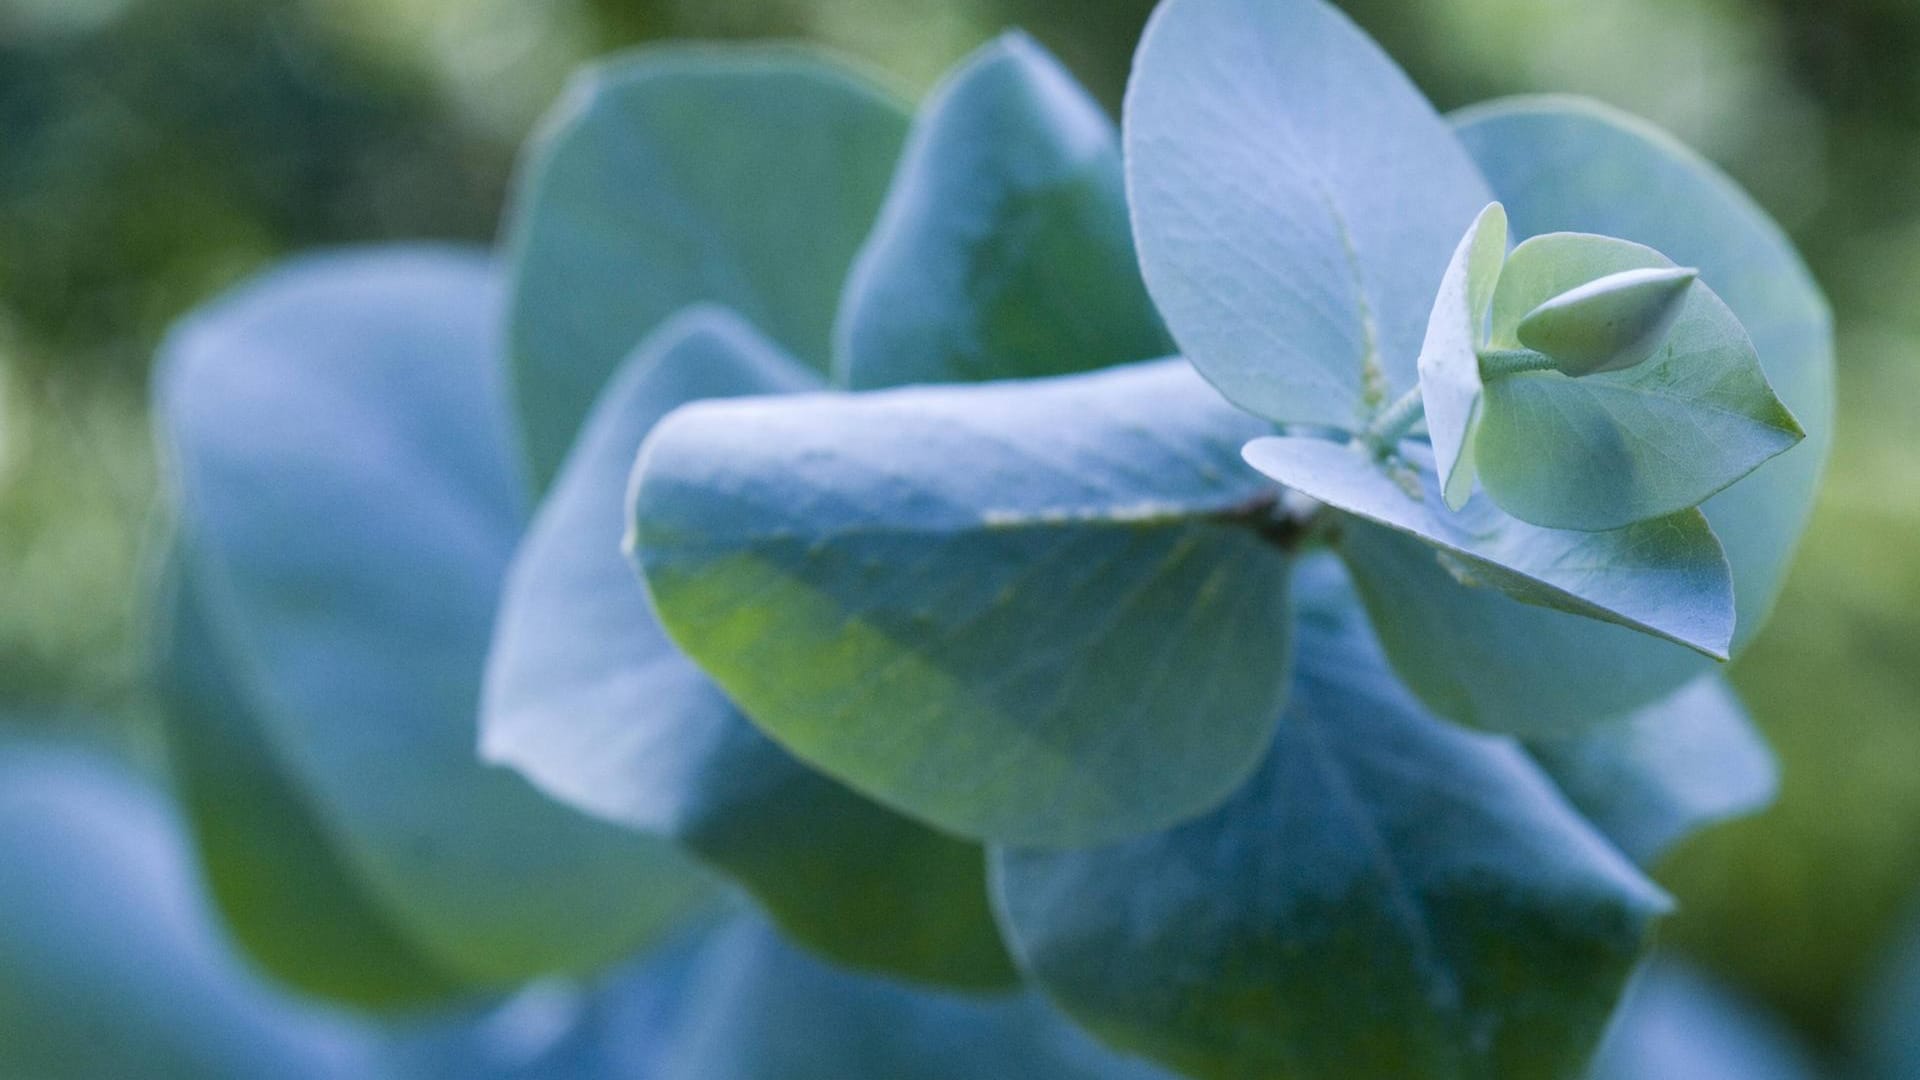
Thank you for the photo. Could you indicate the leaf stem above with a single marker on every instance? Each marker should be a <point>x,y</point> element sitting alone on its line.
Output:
<point>1502,362</point>
<point>1396,420</point>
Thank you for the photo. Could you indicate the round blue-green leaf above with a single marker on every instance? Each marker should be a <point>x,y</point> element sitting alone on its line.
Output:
<point>587,697</point>
<point>336,435</point>
<point>1561,164</point>
<point>745,176</point>
<point>1004,249</point>
<point>272,866</point>
<point>758,1009</point>
<point>109,963</point>
<point>1295,200</point>
<point>1608,449</point>
<point>1667,577</point>
<point>1667,770</point>
<point>1390,896</point>
<point>1569,165</point>
<point>1035,611</point>
<point>1677,1024</point>
<point>1477,656</point>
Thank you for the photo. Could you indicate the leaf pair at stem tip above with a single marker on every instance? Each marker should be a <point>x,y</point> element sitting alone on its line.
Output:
<point>1587,382</point>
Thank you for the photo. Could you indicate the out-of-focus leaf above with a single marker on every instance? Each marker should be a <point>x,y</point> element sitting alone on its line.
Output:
<point>1667,578</point>
<point>744,176</point>
<point>1607,450</point>
<point>279,879</point>
<point>1296,200</point>
<point>619,1027</point>
<point>1004,249</point>
<point>1667,770</point>
<point>761,1010</point>
<point>1570,165</point>
<point>1612,323</point>
<point>1390,896</point>
<point>588,698</point>
<point>1676,1025</point>
<point>109,964</point>
<point>349,506</point>
<point>1038,611</point>
<point>1449,362</point>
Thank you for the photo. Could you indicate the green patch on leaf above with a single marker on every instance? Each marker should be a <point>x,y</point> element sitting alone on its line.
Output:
<point>588,698</point>
<point>1041,612</point>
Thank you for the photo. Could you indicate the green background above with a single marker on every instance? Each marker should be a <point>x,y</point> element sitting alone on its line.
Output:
<point>153,151</point>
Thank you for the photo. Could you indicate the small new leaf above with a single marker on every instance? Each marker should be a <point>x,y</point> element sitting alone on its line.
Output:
<point>1450,358</point>
<point>1616,447</point>
<point>1610,324</point>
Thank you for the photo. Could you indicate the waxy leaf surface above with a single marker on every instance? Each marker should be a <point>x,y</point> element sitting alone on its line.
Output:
<point>1030,611</point>
<point>1607,450</point>
<point>1449,362</point>
<point>1570,165</point>
<point>1004,249</point>
<point>1390,896</point>
<point>1476,656</point>
<point>1295,200</point>
<point>272,864</point>
<point>349,506</point>
<point>1562,164</point>
<point>588,698</point>
<point>1666,770</point>
<point>1611,323</point>
<point>744,176</point>
<point>1667,578</point>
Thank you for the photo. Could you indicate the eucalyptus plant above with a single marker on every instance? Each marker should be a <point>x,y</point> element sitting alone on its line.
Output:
<point>1004,577</point>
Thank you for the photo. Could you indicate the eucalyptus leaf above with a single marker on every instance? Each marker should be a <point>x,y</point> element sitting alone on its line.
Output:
<point>336,437</point>
<point>1037,611</point>
<point>1295,201</point>
<point>1609,449</point>
<point>1667,577</point>
<point>110,965</point>
<point>1565,164</point>
<point>1476,656</point>
<point>1667,770</point>
<point>587,697</point>
<point>1390,896</point>
<point>1611,323</point>
<point>1677,1024</point>
<point>1003,249</point>
<point>1572,165</point>
<point>1449,363</point>
<point>760,1010</point>
<point>277,875</point>
<point>745,176</point>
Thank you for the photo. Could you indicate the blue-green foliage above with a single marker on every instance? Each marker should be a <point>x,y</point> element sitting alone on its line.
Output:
<point>804,663</point>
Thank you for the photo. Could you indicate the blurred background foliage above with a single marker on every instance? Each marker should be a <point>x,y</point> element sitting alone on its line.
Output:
<point>153,151</point>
